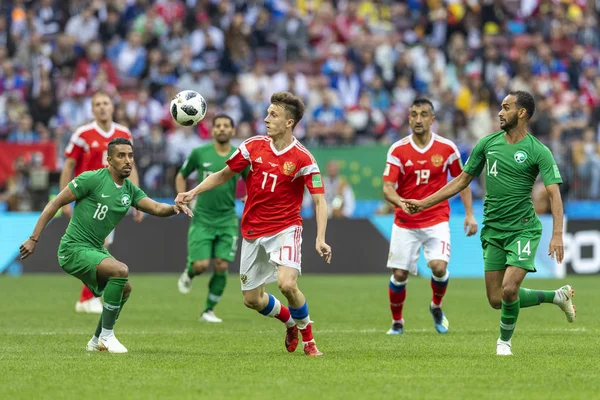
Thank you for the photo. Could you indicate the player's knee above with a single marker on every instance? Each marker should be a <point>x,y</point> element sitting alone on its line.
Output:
<point>510,291</point>
<point>221,265</point>
<point>252,301</point>
<point>127,290</point>
<point>200,266</point>
<point>121,270</point>
<point>400,275</point>
<point>438,268</point>
<point>287,286</point>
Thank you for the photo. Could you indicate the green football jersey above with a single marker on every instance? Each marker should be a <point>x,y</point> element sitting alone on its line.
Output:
<point>217,206</point>
<point>511,171</point>
<point>100,206</point>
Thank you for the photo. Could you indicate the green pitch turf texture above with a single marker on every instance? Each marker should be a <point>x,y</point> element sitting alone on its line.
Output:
<point>174,356</point>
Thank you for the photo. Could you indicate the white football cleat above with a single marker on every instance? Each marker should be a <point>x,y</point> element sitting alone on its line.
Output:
<point>184,284</point>
<point>503,348</point>
<point>564,299</point>
<point>209,316</point>
<point>91,306</point>
<point>92,345</point>
<point>111,344</point>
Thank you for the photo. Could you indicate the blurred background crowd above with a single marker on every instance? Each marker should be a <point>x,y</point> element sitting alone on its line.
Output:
<point>357,64</point>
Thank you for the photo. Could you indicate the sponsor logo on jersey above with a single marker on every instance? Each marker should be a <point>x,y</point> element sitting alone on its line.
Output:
<point>258,160</point>
<point>520,156</point>
<point>437,160</point>
<point>206,164</point>
<point>316,181</point>
<point>126,200</point>
<point>422,162</point>
<point>272,164</point>
<point>289,168</point>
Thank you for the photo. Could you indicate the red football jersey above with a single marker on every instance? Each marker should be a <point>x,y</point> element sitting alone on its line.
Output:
<point>275,184</point>
<point>89,145</point>
<point>420,173</point>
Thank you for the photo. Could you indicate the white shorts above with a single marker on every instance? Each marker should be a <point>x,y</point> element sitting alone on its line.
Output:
<point>260,257</point>
<point>110,238</point>
<point>405,246</point>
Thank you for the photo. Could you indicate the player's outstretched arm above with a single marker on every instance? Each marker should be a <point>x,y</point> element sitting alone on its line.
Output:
<point>209,183</point>
<point>323,248</point>
<point>470,225</point>
<point>152,207</point>
<point>453,187</point>
<point>556,207</point>
<point>65,197</point>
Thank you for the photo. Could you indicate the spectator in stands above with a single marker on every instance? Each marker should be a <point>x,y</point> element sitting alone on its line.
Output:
<point>338,192</point>
<point>16,194</point>
<point>586,156</point>
<point>24,133</point>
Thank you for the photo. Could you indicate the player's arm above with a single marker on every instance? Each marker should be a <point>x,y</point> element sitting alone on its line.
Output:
<point>456,185</point>
<point>65,197</point>
<point>470,225</point>
<point>65,177</point>
<point>152,207</point>
<point>390,194</point>
<point>321,214</point>
<point>556,207</point>
<point>180,185</point>
<point>211,182</point>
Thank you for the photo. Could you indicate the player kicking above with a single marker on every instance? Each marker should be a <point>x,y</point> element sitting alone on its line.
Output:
<point>280,168</point>
<point>102,198</point>
<point>418,166</point>
<point>86,151</point>
<point>214,230</point>
<point>512,159</point>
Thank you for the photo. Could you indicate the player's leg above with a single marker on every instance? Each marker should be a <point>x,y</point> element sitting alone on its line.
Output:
<point>436,243</point>
<point>255,271</point>
<point>521,250</point>
<point>93,343</point>
<point>225,247</point>
<point>405,245</point>
<point>200,250</point>
<point>513,277</point>
<point>88,303</point>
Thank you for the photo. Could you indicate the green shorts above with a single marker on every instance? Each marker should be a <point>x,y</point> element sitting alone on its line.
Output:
<point>81,263</point>
<point>514,248</point>
<point>206,242</point>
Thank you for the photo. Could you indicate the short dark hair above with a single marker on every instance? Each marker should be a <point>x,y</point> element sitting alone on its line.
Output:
<point>419,101</point>
<point>116,142</point>
<point>219,116</point>
<point>292,104</point>
<point>524,100</point>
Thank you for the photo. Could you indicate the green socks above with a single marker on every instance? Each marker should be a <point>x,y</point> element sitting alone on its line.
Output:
<point>508,319</point>
<point>529,297</point>
<point>99,327</point>
<point>216,287</point>
<point>113,296</point>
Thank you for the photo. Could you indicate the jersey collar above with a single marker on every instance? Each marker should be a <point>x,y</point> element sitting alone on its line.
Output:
<point>108,134</point>
<point>278,153</point>
<point>424,149</point>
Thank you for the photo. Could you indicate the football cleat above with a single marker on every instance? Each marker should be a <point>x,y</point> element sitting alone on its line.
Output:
<point>440,321</point>
<point>565,302</point>
<point>91,306</point>
<point>310,349</point>
<point>93,345</point>
<point>209,316</point>
<point>397,328</point>
<point>291,339</point>
<point>184,284</point>
<point>503,348</point>
<point>111,344</point>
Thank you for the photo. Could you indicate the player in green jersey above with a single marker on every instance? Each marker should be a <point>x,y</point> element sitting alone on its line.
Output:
<point>214,230</point>
<point>102,198</point>
<point>512,160</point>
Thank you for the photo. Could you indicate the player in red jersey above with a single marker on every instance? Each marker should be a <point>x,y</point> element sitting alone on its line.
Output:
<point>280,168</point>
<point>417,166</point>
<point>87,151</point>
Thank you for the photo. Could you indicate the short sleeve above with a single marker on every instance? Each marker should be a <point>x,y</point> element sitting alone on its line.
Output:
<point>454,163</point>
<point>393,166</point>
<point>311,175</point>
<point>83,184</point>
<point>138,194</point>
<point>240,159</point>
<point>75,147</point>
<point>476,160</point>
<point>548,168</point>
<point>190,164</point>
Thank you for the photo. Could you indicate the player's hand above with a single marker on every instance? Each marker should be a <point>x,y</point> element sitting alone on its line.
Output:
<point>414,206</point>
<point>182,208</point>
<point>470,225</point>
<point>243,199</point>
<point>27,248</point>
<point>404,207</point>
<point>67,211</point>
<point>184,198</point>
<point>324,250</point>
<point>557,248</point>
<point>138,216</point>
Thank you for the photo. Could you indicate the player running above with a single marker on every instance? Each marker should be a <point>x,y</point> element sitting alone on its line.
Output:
<point>214,230</point>
<point>280,168</point>
<point>416,167</point>
<point>86,151</point>
<point>512,159</point>
<point>102,198</point>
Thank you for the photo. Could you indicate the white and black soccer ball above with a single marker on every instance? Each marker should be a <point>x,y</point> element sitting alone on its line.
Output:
<point>188,108</point>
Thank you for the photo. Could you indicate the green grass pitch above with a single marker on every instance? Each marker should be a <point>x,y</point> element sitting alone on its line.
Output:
<point>174,356</point>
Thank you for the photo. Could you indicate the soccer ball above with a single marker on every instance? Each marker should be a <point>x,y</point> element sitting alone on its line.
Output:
<point>188,108</point>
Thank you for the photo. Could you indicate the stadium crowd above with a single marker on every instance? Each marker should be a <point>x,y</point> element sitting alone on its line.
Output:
<point>357,64</point>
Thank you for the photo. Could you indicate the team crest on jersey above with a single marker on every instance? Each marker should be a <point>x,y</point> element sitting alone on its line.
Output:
<point>437,160</point>
<point>126,200</point>
<point>520,156</point>
<point>289,168</point>
<point>244,278</point>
